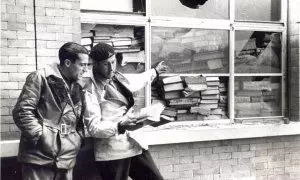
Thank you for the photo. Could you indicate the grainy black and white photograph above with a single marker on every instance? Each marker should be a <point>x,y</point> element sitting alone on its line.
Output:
<point>150,90</point>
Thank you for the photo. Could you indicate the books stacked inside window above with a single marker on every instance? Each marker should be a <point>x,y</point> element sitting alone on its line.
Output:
<point>194,98</point>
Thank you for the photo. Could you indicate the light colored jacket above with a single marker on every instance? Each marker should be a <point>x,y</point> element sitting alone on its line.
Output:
<point>104,109</point>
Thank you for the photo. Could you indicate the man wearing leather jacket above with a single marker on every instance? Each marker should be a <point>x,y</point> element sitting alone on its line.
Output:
<point>49,115</point>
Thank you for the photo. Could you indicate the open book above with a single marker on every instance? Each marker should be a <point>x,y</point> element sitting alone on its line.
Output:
<point>150,114</point>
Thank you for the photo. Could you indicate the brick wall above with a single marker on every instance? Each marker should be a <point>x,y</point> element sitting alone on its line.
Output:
<point>293,51</point>
<point>56,22</point>
<point>273,158</point>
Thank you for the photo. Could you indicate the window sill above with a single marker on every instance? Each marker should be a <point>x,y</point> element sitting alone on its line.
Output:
<point>184,132</point>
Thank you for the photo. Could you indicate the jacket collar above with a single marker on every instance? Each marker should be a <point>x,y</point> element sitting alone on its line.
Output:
<point>52,69</point>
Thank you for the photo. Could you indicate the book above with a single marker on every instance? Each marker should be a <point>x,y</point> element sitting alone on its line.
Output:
<point>133,57</point>
<point>195,80</point>
<point>173,87</point>
<point>200,110</point>
<point>209,101</point>
<point>86,34</point>
<point>170,112</point>
<point>150,114</point>
<point>209,92</point>
<point>197,87</point>
<point>212,83</point>
<point>171,79</point>
<point>172,95</point>
<point>210,96</point>
<point>191,94</point>
<point>208,106</point>
<point>211,78</point>
<point>184,101</point>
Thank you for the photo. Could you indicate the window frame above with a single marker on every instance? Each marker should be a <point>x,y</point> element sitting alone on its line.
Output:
<point>230,24</point>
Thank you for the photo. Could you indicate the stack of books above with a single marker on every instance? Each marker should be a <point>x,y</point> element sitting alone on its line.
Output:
<point>194,98</point>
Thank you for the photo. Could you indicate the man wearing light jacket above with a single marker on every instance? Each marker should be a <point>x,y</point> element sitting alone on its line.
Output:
<point>49,114</point>
<point>108,119</point>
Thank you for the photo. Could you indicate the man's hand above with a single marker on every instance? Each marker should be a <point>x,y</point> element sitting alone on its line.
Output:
<point>160,68</point>
<point>129,123</point>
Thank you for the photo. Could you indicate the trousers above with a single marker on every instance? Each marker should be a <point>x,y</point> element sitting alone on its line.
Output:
<point>140,167</point>
<point>37,172</point>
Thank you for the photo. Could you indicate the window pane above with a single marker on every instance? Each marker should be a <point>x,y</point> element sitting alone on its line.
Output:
<point>128,42</point>
<point>137,6</point>
<point>257,96</point>
<point>257,52</point>
<point>211,9</point>
<point>258,10</point>
<point>192,97</point>
<point>187,50</point>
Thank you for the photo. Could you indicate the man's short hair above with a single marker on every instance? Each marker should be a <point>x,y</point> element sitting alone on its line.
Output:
<point>70,50</point>
<point>102,51</point>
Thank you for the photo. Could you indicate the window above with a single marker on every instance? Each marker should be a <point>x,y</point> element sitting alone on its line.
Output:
<point>229,55</point>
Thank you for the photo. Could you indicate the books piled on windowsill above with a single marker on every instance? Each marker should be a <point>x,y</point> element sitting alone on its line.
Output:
<point>194,98</point>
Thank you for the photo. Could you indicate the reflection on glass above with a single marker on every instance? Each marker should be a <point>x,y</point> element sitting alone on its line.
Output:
<point>258,10</point>
<point>204,9</point>
<point>187,50</point>
<point>192,97</point>
<point>257,52</point>
<point>257,96</point>
<point>137,6</point>
<point>127,41</point>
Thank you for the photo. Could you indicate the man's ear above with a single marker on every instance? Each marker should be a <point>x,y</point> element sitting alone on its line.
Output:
<point>67,63</point>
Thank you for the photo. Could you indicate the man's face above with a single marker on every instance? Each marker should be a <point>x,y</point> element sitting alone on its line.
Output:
<point>81,66</point>
<point>106,68</point>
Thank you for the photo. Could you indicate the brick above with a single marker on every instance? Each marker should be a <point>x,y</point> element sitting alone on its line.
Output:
<point>273,152</point>
<point>4,59</point>
<point>165,154</point>
<point>206,171</point>
<point>247,154</point>
<point>55,28</point>
<point>260,159</point>
<point>264,172</point>
<point>171,175</point>
<point>222,149</point>
<point>54,44</point>
<point>29,27</point>
<point>15,9</point>
<point>4,95</point>
<point>45,20</point>
<point>76,5</point>
<point>54,12</point>
<point>14,93</point>
<point>8,34</point>
<point>4,25</point>
<point>63,5</point>
<point>244,161</point>
<point>261,165</point>
<point>24,3</point>
<point>206,150</point>
<point>167,168</point>
<point>17,43</point>
<point>9,85</point>
<point>29,11</point>
<point>4,127</point>
<point>188,152</point>
<point>71,13</point>
<point>25,35</point>
<point>25,18</point>
<point>72,29</point>
<point>226,169</point>
<point>8,102</point>
<point>30,61</point>
<point>183,167</point>
<point>40,11</point>
<point>26,68</point>
<point>47,52</point>
<point>278,145</point>
<point>30,43</point>
<point>41,28</point>
<point>5,111</point>
<point>206,157</point>
<point>225,156</point>
<point>12,18</point>
<point>10,2</point>
<point>254,147</point>
<point>13,26</point>
<point>17,60</point>
<point>3,42</point>
<point>186,159</point>
<point>42,44</point>
<point>45,36</point>
<point>167,161</point>
<point>8,68</point>
<point>26,51</point>
<point>17,76</point>
<point>62,21</point>
<point>3,76</point>
<point>76,38</point>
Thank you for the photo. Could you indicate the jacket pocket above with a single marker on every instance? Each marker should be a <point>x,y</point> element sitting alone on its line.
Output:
<point>70,144</point>
<point>48,142</point>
